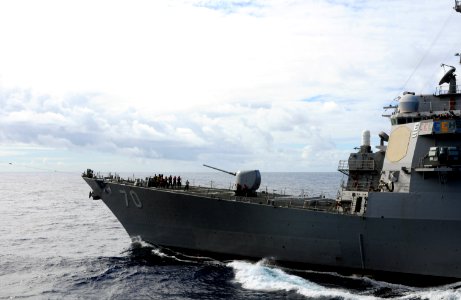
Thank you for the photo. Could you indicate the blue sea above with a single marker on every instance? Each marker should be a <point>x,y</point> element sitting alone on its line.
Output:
<point>56,243</point>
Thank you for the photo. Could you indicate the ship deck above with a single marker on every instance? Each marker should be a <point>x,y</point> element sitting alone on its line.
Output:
<point>264,198</point>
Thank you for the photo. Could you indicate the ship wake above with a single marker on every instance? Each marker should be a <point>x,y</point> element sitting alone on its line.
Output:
<point>262,276</point>
<point>259,276</point>
<point>144,249</point>
<point>267,277</point>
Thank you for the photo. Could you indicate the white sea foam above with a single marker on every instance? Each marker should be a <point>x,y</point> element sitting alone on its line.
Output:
<point>258,276</point>
<point>438,293</point>
<point>137,243</point>
<point>158,252</point>
<point>375,283</point>
<point>180,257</point>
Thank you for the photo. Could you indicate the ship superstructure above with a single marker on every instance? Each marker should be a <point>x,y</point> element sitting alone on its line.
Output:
<point>422,154</point>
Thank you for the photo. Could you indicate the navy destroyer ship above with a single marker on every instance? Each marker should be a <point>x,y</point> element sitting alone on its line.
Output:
<point>398,212</point>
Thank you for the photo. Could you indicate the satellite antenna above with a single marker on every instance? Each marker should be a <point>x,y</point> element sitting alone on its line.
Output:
<point>449,78</point>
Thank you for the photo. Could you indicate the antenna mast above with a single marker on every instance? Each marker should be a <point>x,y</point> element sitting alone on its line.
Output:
<point>458,9</point>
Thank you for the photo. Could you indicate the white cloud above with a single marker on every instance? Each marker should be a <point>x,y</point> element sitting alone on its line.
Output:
<point>265,83</point>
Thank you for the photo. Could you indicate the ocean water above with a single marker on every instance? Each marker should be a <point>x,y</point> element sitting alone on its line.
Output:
<point>55,243</point>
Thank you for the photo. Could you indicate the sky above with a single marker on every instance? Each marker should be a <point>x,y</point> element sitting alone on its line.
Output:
<point>170,85</point>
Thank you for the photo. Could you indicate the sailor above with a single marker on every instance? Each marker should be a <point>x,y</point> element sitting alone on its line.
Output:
<point>245,190</point>
<point>238,189</point>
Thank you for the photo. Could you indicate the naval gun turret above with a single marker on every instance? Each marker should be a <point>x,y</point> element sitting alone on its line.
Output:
<point>246,182</point>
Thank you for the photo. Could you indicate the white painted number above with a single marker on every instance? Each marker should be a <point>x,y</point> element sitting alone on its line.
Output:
<point>134,197</point>
<point>122,192</point>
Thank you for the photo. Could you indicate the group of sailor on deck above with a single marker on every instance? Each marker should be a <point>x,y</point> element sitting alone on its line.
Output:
<point>164,181</point>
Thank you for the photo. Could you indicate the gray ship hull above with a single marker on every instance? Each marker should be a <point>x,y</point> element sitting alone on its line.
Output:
<point>390,237</point>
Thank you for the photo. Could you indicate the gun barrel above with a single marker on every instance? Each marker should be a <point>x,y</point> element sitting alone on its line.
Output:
<point>231,173</point>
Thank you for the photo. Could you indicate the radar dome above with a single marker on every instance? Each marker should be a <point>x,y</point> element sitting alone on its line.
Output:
<point>408,103</point>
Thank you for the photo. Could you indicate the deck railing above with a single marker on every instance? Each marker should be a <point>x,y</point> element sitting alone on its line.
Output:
<point>444,90</point>
<point>356,165</point>
<point>430,106</point>
<point>319,203</point>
